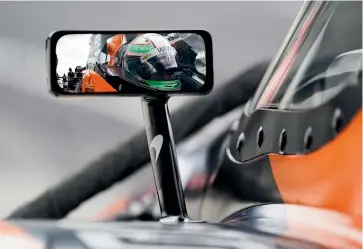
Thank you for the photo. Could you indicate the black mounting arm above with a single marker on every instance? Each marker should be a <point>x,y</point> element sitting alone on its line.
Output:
<point>163,157</point>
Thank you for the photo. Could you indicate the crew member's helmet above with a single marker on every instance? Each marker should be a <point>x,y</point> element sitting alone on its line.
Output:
<point>151,59</point>
<point>78,69</point>
<point>303,127</point>
<point>70,69</point>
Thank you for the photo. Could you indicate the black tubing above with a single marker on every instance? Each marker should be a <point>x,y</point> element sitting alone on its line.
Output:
<point>114,166</point>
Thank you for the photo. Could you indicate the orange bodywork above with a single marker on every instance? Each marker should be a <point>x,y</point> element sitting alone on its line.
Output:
<point>330,177</point>
<point>113,46</point>
<point>93,82</point>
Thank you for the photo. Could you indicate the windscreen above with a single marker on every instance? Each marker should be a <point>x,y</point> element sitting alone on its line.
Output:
<point>320,57</point>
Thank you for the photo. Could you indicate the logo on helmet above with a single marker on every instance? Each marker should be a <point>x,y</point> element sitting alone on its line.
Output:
<point>165,49</point>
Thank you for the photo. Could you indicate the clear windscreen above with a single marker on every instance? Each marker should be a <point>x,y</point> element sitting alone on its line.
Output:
<point>321,56</point>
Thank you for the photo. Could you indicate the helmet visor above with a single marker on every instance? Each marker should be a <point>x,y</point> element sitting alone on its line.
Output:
<point>157,67</point>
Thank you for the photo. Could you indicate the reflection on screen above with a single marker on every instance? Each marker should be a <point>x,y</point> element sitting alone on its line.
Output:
<point>129,63</point>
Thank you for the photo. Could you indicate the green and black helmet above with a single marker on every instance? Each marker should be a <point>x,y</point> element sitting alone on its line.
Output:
<point>151,59</point>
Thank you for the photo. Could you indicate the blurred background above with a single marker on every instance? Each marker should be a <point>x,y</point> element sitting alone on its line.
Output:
<point>43,139</point>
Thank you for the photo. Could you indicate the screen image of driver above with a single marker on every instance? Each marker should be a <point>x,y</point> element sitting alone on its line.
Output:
<point>151,59</point>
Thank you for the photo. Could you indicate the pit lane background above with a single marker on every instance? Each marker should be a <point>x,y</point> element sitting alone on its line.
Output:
<point>43,139</point>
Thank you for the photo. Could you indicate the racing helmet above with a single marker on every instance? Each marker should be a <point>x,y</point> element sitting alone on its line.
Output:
<point>300,136</point>
<point>151,59</point>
